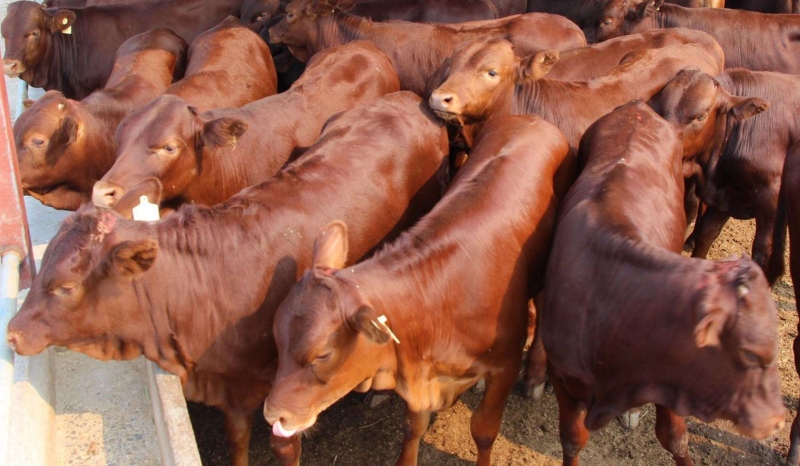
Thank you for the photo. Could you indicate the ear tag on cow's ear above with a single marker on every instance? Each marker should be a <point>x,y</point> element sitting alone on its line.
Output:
<point>381,325</point>
<point>67,30</point>
<point>145,211</point>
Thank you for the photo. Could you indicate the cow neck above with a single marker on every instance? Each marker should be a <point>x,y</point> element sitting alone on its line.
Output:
<point>57,69</point>
<point>546,98</point>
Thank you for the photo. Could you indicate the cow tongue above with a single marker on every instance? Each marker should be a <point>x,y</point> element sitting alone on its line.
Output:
<point>277,429</point>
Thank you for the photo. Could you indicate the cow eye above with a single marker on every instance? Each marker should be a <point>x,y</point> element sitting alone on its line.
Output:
<point>492,73</point>
<point>751,359</point>
<point>702,117</point>
<point>37,142</point>
<point>289,16</point>
<point>170,148</point>
<point>607,21</point>
<point>323,357</point>
<point>35,33</point>
<point>66,289</point>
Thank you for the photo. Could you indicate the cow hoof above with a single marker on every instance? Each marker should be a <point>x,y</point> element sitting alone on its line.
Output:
<point>534,392</point>
<point>630,419</point>
<point>480,387</point>
<point>377,399</point>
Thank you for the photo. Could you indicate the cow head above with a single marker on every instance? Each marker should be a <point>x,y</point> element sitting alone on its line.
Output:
<point>702,110</point>
<point>256,13</point>
<point>84,296</point>
<point>607,21</point>
<point>298,28</point>
<point>329,340</point>
<point>50,139</point>
<point>635,14</point>
<point>480,79</point>
<point>27,31</point>
<point>167,140</point>
<point>736,331</point>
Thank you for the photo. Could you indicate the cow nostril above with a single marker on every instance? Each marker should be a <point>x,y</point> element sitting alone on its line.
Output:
<point>448,99</point>
<point>110,194</point>
<point>12,341</point>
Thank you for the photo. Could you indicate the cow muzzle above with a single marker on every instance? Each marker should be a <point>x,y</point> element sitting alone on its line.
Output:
<point>445,105</point>
<point>16,341</point>
<point>106,195</point>
<point>13,68</point>
<point>283,424</point>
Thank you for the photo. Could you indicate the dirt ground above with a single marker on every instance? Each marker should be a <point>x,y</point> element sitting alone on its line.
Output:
<point>350,433</point>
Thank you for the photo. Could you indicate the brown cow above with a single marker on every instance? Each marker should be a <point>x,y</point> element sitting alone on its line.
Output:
<point>737,160</point>
<point>64,146</point>
<point>416,50</point>
<point>592,62</point>
<point>72,50</point>
<point>695,337</point>
<point>765,6</point>
<point>206,158</point>
<point>484,79</point>
<point>756,41</point>
<point>790,190</point>
<point>451,322</point>
<point>191,293</point>
<point>228,66</point>
<point>433,11</point>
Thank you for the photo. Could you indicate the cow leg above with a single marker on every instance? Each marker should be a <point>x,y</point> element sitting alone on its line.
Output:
<point>286,449</point>
<point>536,362</point>
<point>416,425</point>
<point>571,423</point>
<point>671,433</point>
<point>239,426</point>
<point>706,230</point>
<point>486,420</point>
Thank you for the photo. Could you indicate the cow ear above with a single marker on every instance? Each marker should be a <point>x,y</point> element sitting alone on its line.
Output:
<point>707,332</point>
<point>222,132</point>
<point>131,258</point>
<point>61,20</point>
<point>539,64</point>
<point>66,134</point>
<point>330,247</point>
<point>365,320</point>
<point>643,10</point>
<point>742,108</point>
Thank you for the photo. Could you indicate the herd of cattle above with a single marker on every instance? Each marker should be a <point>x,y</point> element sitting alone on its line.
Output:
<point>403,205</point>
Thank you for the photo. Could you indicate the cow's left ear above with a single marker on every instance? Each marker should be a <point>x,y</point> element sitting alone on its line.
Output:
<point>61,20</point>
<point>742,108</point>
<point>365,320</point>
<point>222,132</point>
<point>538,65</point>
<point>66,134</point>
<point>708,330</point>
<point>131,258</point>
<point>330,247</point>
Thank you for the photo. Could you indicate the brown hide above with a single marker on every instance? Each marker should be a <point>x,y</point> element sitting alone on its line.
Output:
<point>197,291</point>
<point>65,146</point>
<point>206,158</point>
<point>454,290</point>
<point>627,320</point>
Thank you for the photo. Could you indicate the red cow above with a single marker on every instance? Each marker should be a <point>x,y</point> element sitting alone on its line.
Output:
<point>197,291</point>
<point>695,337</point>
<point>791,191</point>
<point>206,158</point>
<point>484,79</point>
<point>72,50</point>
<point>449,322</point>
<point>64,146</point>
<point>416,50</point>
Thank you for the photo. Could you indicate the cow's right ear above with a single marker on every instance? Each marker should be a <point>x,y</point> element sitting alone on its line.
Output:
<point>365,320</point>
<point>643,10</point>
<point>132,258</point>
<point>61,20</point>
<point>222,132</point>
<point>330,247</point>
<point>711,316</point>
<point>742,108</point>
<point>538,65</point>
<point>66,134</point>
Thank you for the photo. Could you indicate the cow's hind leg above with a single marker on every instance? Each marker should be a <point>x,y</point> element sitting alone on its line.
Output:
<point>671,433</point>
<point>536,362</point>
<point>286,449</point>
<point>571,423</point>
<point>416,425</point>
<point>485,422</point>
<point>239,426</point>
<point>707,229</point>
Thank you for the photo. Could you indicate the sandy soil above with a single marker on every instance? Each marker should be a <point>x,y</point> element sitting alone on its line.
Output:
<point>350,433</point>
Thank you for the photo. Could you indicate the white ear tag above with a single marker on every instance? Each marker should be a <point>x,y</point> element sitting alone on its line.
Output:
<point>67,30</point>
<point>381,325</point>
<point>145,211</point>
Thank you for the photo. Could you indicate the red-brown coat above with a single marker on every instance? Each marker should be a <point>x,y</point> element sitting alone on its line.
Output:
<point>206,158</point>
<point>416,50</point>
<point>433,11</point>
<point>592,62</point>
<point>72,50</point>
<point>197,291</point>
<point>228,66</point>
<point>737,160</point>
<point>454,288</point>
<point>64,146</point>
<point>756,41</point>
<point>765,6</point>
<point>484,79</point>
<point>627,320</point>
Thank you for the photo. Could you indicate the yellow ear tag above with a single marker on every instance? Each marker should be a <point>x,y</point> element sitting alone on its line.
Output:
<point>67,30</point>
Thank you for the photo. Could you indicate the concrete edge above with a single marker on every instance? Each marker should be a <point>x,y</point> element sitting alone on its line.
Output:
<point>33,438</point>
<point>176,440</point>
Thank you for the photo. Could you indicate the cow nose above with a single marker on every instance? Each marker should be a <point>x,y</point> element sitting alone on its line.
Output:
<point>12,68</point>
<point>13,340</point>
<point>106,194</point>
<point>443,101</point>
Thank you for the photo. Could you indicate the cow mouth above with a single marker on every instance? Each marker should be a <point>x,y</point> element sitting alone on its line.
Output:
<point>279,430</point>
<point>445,115</point>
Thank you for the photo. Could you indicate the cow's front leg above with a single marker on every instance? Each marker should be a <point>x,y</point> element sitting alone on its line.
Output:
<point>286,449</point>
<point>239,426</point>
<point>485,422</point>
<point>708,227</point>
<point>415,427</point>
<point>671,433</point>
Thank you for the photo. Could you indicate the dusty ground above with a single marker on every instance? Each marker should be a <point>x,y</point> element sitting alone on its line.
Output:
<point>349,433</point>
